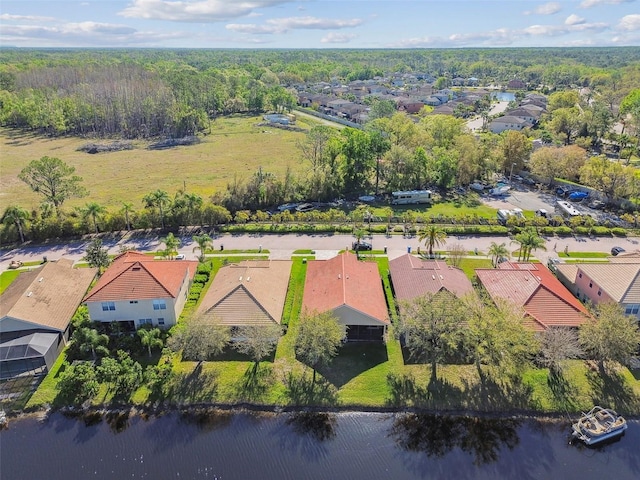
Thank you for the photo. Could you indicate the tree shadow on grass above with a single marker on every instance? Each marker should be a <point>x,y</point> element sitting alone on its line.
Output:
<point>352,360</point>
<point>195,386</point>
<point>439,393</point>
<point>562,390</point>
<point>499,394</point>
<point>610,389</point>
<point>255,382</point>
<point>301,390</point>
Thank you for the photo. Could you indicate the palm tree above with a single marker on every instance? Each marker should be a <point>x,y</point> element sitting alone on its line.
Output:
<point>497,252</point>
<point>529,241</point>
<point>433,236</point>
<point>171,244</point>
<point>150,338</point>
<point>204,241</point>
<point>192,201</point>
<point>17,216</point>
<point>127,208</point>
<point>93,210</point>
<point>359,234</point>
<point>158,199</point>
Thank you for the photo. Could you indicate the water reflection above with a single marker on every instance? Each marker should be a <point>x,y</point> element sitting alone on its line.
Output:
<point>436,435</point>
<point>320,426</point>
<point>207,419</point>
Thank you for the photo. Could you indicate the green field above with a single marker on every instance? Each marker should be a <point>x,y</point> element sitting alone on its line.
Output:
<point>236,146</point>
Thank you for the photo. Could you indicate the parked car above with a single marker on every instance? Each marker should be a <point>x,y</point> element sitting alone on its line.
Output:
<point>563,191</point>
<point>362,246</point>
<point>528,181</point>
<point>616,250</point>
<point>180,256</point>
<point>578,196</point>
<point>596,204</point>
<point>305,207</point>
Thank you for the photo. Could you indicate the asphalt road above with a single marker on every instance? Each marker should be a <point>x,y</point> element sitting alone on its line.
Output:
<point>281,246</point>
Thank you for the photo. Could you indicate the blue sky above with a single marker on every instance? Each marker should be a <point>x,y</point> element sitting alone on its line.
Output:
<point>318,23</point>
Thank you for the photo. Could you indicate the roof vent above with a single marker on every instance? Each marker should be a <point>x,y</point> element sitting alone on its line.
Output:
<point>248,278</point>
<point>339,276</point>
<point>433,277</point>
<point>347,277</point>
<point>40,279</point>
<point>240,279</point>
<point>441,277</point>
<point>29,294</point>
<point>135,269</point>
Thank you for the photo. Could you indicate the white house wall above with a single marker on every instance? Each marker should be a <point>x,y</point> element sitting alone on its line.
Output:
<point>126,311</point>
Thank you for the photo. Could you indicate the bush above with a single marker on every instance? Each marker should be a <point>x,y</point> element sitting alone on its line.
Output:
<point>563,231</point>
<point>201,278</point>
<point>194,297</point>
<point>196,287</point>
<point>619,232</point>
<point>601,231</point>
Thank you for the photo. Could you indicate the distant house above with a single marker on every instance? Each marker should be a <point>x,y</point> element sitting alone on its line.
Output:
<point>413,277</point>
<point>352,290</point>
<point>458,82</point>
<point>443,110</point>
<point>136,290</point>
<point>516,84</point>
<point>507,122</point>
<point>525,114</point>
<point>410,106</point>
<point>247,293</point>
<point>35,315</point>
<point>532,287</point>
<point>618,281</point>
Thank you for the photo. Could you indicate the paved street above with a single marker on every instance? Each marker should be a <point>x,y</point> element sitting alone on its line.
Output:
<point>281,246</point>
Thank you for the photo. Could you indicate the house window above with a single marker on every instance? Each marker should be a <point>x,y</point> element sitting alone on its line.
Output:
<point>106,306</point>
<point>590,284</point>
<point>159,305</point>
<point>632,309</point>
<point>599,293</point>
<point>580,275</point>
<point>161,321</point>
<point>133,301</point>
<point>145,321</point>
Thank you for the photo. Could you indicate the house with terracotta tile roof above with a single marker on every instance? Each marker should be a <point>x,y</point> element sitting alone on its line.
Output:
<point>352,290</point>
<point>136,290</point>
<point>35,316</point>
<point>618,281</point>
<point>413,277</point>
<point>532,287</point>
<point>247,293</point>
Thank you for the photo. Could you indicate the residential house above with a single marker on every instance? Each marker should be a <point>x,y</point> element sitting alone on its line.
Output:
<point>413,277</point>
<point>618,281</point>
<point>532,287</point>
<point>443,110</point>
<point>35,316</point>
<point>500,124</point>
<point>247,293</point>
<point>352,290</point>
<point>136,290</point>
<point>516,84</point>
<point>525,114</point>
<point>410,106</point>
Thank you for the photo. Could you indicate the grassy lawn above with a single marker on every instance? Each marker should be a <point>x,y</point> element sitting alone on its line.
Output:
<point>7,277</point>
<point>46,392</point>
<point>584,255</point>
<point>127,175</point>
<point>469,265</point>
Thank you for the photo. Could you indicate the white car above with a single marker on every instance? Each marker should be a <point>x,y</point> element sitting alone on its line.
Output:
<point>181,256</point>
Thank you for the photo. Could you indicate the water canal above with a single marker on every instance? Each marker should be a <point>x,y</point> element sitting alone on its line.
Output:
<point>354,446</point>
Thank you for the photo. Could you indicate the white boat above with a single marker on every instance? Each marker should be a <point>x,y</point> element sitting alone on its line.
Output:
<point>498,191</point>
<point>3,420</point>
<point>599,424</point>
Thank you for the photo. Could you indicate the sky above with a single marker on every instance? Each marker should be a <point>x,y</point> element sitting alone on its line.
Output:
<point>318,23</point>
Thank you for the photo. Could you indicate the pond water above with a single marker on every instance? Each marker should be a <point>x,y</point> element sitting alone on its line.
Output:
<point>307,446</point>
<point>504,96</point>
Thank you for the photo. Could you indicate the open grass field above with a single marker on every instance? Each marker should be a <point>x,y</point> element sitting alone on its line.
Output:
<point>235,146</point>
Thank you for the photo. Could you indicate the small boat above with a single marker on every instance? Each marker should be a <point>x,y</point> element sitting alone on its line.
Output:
<point>599,424</point>
<point>3,420</point>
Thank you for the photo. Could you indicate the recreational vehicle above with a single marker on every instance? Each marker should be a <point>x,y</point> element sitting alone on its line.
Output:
<point>566,209</point>
<point>411,197</point>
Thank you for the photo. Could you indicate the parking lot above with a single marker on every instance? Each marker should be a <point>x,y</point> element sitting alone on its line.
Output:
<point>535,198</point>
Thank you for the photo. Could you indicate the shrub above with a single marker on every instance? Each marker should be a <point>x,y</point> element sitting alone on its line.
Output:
<point>601,231</point>
<point>205,268</point>
<point>563,231</point>
<point>619,232</point>
<point>201,278</point>
<point>194,296</point>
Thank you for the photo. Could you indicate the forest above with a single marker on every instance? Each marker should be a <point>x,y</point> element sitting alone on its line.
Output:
<point>151,94</point>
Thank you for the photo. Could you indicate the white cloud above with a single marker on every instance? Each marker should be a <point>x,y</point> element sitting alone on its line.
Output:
<point>25,18</point>
<point>545,9</point>
<point>283,25</point>
<point>83,33</point>
<point>630,22</point>
<point>557,30</point>
<point>195,10</point>
<point>574,19</point>
<point>593,3</point>
<point>334,37</point>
